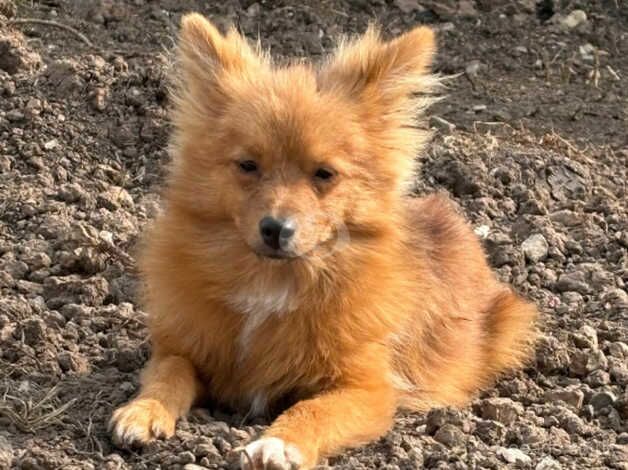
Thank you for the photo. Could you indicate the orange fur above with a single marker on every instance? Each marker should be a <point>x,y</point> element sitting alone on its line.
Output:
<point>405,313</point>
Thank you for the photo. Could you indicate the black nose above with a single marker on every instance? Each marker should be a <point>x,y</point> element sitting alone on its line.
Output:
<point>276,232</point>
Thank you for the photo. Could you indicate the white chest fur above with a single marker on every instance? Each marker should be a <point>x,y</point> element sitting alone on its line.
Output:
<point>258,303</point>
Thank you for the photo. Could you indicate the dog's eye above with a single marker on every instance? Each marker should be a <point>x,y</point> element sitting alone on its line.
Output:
<point>324,174</point>
<point>247,166</point>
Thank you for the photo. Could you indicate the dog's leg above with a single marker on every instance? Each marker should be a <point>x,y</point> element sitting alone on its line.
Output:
<point>169,387</point>
<point>345,417</point>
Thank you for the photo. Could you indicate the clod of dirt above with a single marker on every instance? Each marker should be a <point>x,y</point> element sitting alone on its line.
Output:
<point>15,55</point>
<point>8,9</point>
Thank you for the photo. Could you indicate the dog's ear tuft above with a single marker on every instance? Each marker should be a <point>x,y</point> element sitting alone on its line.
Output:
<point>202,43</point>
<point>370,65</point>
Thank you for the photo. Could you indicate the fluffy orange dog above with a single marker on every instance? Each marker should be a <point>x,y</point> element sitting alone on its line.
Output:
<point>289,260</point>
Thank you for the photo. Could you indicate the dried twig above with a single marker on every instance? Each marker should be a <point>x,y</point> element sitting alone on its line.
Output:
<point>78,34</point>
<point>56,24</point>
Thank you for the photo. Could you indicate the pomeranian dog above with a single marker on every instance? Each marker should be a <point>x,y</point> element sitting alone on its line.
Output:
<point>290,262</point>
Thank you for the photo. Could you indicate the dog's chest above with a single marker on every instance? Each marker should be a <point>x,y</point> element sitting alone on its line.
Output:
<point>258,303</point>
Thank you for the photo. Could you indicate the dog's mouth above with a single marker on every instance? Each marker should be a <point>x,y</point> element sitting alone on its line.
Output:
<point>276,255</point>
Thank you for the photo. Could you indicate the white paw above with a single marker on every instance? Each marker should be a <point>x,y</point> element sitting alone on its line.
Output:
<point>270,453</point>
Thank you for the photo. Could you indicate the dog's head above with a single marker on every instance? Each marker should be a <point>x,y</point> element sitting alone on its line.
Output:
<point>291,157</point>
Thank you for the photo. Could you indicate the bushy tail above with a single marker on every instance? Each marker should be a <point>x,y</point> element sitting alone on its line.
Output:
<point>510,332</point>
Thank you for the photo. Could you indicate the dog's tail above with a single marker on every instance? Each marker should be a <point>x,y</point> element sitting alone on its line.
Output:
<point>510,332</point>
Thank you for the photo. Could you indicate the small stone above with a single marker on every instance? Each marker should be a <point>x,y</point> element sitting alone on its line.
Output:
<point>33,107</point>
<point>254,10</point>
<point>618,350</point>
<point>491,432</point>
<point>572,396</point>
<point>8,9</point>
<point>602,399</point>
<point>408,6</point>
<point>573,19</point>
<point>482,231</point>
<point>442,124</point>
<point>34,332</point>
<point>51,144</point>
<point>186,457</point>
<point>473,68</point>
<point>586,338</point>
<point>587,52</point>
<point>15,56</point>
<point>598,378</point>
<point>193,466</point>
<point>115,197</point>
<point>573,281</point>
<point>583,362</point>
<point>72,362</point>
<point>6,452</point>
<point>466,9</point>
<point>438,417</point>
<point>548,463</point>
<point>99,98</point>
<point>503,410</point>
<point>15,116</point>
<point>622,439</point>
<point>449,435</point>
<point>512,455</point>
<point>535,248</point>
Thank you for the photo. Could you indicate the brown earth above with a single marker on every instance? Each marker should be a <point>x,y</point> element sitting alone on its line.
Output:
<point>532,143</point>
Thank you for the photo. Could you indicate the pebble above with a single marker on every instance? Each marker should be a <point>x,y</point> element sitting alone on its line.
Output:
<point>573,19</point>
<point>512,455</point>
<point>602,399</point>
<point>15,116</point>
<point>535,248</point>
<point>618,350</point>
<point>114,197</point>
<point>449,435</point>
<point>473,68</point>
<point>186,457</point>
<point>6,452</point>
<point>585,361</point>
<point>409,6</point>
<point>548,463</point>
<point>573,281</point>
<point>51,144</point>
<point>572,396</point>
<point>442,124</point>
<point>503,410</point>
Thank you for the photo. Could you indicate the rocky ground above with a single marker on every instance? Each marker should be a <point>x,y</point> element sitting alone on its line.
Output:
<point>532,142</point>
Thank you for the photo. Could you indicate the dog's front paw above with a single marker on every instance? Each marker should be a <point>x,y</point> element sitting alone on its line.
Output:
<point>270,453</point>
<point>140,422</point>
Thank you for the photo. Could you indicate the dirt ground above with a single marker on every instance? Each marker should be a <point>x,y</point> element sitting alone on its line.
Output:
<point>532,142</point>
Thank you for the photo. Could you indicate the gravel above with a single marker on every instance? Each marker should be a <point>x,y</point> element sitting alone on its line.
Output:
<point>530,141</point>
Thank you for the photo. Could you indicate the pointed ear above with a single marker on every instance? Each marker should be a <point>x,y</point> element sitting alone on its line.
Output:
<point>368,66</point>
<point>201,44</point>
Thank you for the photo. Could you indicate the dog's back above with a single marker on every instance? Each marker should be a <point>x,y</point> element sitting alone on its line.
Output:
<point>471,327</point>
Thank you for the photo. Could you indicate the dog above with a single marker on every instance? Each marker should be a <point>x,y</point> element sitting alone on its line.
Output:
<point>290,261</point>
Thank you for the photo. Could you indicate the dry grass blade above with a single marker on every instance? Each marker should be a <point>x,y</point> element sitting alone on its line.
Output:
<point>29,417</point>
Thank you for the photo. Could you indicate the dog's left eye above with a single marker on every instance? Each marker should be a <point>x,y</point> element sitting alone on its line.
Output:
<point>324,174</point>
<point>247,166</point>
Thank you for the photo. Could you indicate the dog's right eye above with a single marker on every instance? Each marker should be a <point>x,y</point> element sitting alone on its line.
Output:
<point>247,166</point>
